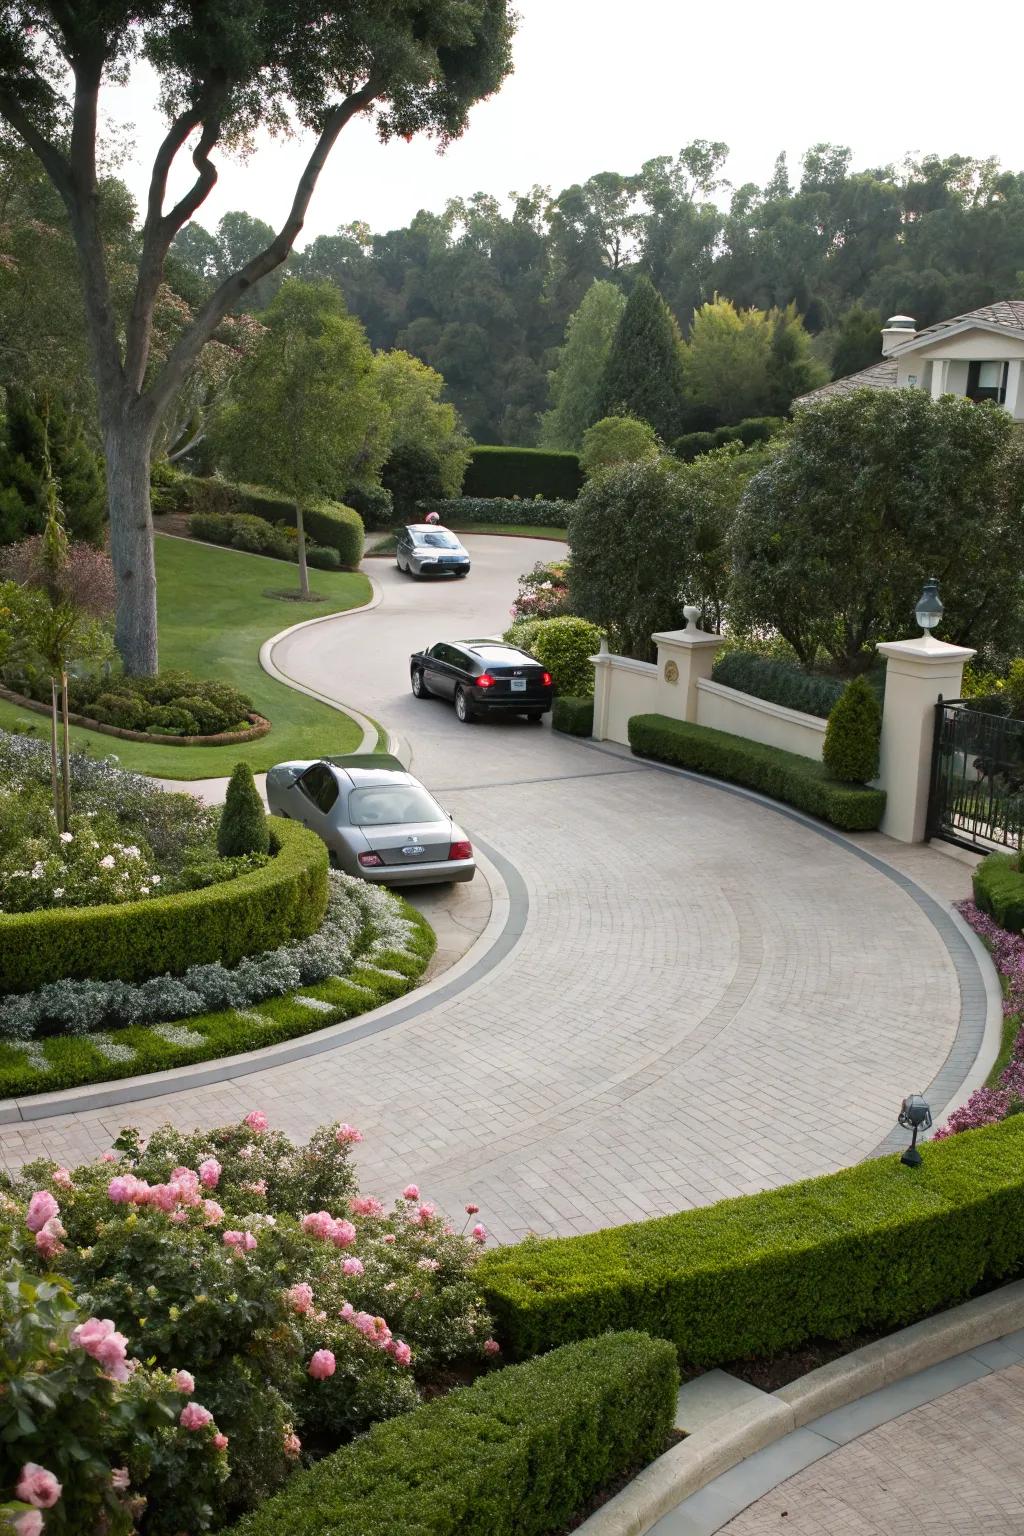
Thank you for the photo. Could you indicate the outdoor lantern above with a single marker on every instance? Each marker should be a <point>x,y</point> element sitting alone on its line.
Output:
<point>915,1115</point>
<point>929,606</point>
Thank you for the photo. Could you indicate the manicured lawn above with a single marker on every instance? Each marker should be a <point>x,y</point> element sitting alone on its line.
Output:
<point>213,619</point>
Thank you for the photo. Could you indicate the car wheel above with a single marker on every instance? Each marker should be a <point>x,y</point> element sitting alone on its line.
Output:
<point>419,687</point>
<point>462,575</point>
<point>463,709</point>
<point>398,562</point>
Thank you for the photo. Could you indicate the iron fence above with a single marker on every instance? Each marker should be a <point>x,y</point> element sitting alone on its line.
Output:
<point>977,787</point>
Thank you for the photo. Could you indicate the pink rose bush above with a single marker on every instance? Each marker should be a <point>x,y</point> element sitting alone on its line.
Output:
<point>285,1316</point>
<point>987,1105</point>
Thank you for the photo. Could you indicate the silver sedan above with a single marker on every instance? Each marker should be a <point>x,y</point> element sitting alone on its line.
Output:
<point>377,820</point>
<point>426,549</point>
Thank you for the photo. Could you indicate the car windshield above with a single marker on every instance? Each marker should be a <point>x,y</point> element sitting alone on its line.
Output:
<point>391,803</point>
<point>438,539</point>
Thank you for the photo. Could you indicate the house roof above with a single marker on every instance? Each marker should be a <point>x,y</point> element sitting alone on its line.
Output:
<point>1006,314</point>
<point>881,375</point>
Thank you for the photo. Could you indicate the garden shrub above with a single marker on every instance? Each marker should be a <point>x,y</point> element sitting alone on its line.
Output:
<point>171,703</point>
<point>498,471</point>
<point>786,776</point>
<point>322,558</point>
<point>998,883</point>
<point>564,646</point>
<point>225,922</point>
<point>124,710</point>
<point>690,444</point>
<point>171,720</point>
<point>853,734</point>
<point>327,523</point>
<point>781,682</point>
<point>543,592</point>
<point>243,822</point>
<point>463,511</point>
<point>522,1450</point>
<point>872,1247</point>
<point>574,716</point>
<point>617,440</point>
<point>413,473</point>
<point>752,429</point>
<point>374,505</point>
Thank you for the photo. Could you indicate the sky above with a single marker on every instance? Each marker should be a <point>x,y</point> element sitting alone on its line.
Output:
<point>607,84</point>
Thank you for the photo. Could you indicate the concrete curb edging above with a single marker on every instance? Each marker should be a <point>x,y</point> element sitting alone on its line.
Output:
<point>734,1435</point>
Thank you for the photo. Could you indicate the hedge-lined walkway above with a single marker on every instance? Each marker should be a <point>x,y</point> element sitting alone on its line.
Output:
<point>708,998</point>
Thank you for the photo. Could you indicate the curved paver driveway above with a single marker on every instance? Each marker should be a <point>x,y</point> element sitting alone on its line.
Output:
<point>708,998</point>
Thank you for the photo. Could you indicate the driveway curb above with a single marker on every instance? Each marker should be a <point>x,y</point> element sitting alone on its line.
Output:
<point>761,1419</point>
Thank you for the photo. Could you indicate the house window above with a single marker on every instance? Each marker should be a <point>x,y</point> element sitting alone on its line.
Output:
<point>987,381</point>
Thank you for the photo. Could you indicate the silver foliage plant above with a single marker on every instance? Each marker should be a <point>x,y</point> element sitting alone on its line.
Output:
<point>359,917</point>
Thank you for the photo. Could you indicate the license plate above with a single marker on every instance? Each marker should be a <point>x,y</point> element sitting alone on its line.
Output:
<point>519,685</point>
<point>413,851</point>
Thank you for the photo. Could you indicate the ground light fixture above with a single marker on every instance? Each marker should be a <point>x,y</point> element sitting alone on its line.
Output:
<point>929,606</point>
<point>915,1115</point>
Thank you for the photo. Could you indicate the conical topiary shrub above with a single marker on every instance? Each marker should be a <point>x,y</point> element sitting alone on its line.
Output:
<point>243,821</point>
<point>853,734</point>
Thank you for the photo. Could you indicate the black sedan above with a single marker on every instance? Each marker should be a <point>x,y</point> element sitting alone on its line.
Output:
<point>482,677</point>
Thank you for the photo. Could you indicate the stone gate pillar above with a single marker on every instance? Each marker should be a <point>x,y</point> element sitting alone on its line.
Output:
<point>917,673</point>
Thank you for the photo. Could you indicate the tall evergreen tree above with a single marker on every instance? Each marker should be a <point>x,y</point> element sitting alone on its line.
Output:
<point>44,438</point>
<point>575,382</point>
<point>859,342</point>
<point>644,373</point>
<point>792,367</point>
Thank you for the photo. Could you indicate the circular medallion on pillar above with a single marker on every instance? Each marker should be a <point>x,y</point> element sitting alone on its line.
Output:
<point>671,672</point>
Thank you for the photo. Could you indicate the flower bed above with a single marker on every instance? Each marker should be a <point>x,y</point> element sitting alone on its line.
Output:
<point>278,1313</point>
<point>258,726</point>
<point>173,707</point>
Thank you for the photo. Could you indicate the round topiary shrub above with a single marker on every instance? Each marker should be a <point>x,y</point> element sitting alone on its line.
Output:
<point>565,646</point>
<point>322,558</point>
<point>243,823</point>
<point>854,731</point>
<point>165,720</point>
<point>207,716</point>
<point>123,710</point>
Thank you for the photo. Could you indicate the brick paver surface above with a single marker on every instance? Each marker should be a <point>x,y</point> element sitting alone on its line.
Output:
<point>951,1468</point>
<point>708,998</point>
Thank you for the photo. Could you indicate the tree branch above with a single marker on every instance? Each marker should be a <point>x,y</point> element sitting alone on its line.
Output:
<point>53,162</point>
<point>188,346</point>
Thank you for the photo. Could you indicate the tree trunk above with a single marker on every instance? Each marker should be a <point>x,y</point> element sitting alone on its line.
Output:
<point>303,568</point>
<point>54,770</point>
<point>65,750</point>
<point>131,545</point>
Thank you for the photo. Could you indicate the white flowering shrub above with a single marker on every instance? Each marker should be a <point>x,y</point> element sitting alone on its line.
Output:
<point>85,866</point>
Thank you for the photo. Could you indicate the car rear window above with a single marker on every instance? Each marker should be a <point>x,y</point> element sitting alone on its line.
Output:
<point>494,655</point>
<point>438,540</point>
<point>397,803</point>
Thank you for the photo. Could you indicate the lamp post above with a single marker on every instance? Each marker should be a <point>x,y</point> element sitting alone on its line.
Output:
<point>929,606</point>
<point>915,1115</point>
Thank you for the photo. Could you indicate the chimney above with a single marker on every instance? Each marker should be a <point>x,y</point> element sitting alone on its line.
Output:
<point>896,330</point>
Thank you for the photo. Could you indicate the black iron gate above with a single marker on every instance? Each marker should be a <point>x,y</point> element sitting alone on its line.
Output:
<point>977,788</point>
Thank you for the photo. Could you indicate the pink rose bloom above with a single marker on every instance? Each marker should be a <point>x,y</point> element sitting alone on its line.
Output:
<point>48,1238</point>
<point>471,1210</point>
<point>122,1188</point>
<point>479,1233</point>
<point>257,1187</point>
<point>411,1192</point>
<point>40,1208</point>
<point>100,1339</point>
<point>352,1267</point>
<point>119,1480</point>
<point>241,1242</point>
<point>424,1213</point>
<point>163,1196</point>
<point>318,1223</point>
<point>346,1134</point>
<point>401,1352</point>
<point>192,1416</point>
<point>62,1178</point>
<point>257,1121</point>
<point>185,1382</point>
<point>366,1206</point>
<point>343,1233</point>
<point>428,1264</point>
<point>108,1157</point>
<point>389,1237</point>
<point>187,1183</point>
<point>300,1297</point>
<point>492,1347</point>
<point>220,1442</point>
<point>322,1365</point>
<point>28,1524</point>
<point>292,1445</point>
<point>209,1173</point>
<point>37,1486</point>
<point>213,1212</point>
<point>348,1311</point>
<point>178,1217</point>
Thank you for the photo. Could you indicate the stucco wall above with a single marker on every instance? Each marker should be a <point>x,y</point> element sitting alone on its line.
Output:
<point>726,709</point>
<point>622,688</point>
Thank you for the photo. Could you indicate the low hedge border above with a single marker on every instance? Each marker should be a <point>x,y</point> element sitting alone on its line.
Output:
<point>998,883</point>
<point>780,682</point>
<point>521,1451</point>
<point>497,511</point>
<point>874,1247</point>
<point>166,934</point>
<point>225,739</point>
<point>798,781</point>
<point>495,470</point>
<point>574,716</point>
<point>327,522</point>
<point>72,1061</point>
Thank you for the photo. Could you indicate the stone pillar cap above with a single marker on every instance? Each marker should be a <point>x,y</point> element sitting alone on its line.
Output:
<point>925,649</point>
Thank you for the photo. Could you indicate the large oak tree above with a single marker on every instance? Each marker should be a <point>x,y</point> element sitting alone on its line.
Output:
<point>226,68</point>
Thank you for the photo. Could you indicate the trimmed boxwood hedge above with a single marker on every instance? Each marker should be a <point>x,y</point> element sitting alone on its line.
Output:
<point>575,716</point>
<point>498,511</point>
<point>999,890</point>
<point>799,781</point>
<point>497,471</point>
<point>516,1454</point>
<point>166,934</point>
<point>873,1247</point>
<point>328,523</point>
<point>781,682</point>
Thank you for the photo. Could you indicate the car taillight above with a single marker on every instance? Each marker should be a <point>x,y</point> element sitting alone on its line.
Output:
<point>546,679</point>
<point>460,851</point>
<point>370,860</point>
<point>485,680</point>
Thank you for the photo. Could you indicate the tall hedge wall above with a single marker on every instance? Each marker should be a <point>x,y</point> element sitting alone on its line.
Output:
<point>872,1247</point>
<point>519,1453</point>
<point>526,472</point>
<point>165,935</point>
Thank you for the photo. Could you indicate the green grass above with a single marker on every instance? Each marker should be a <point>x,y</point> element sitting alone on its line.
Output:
<point>214,617</point>
<point>385,545</point>
<point>73,1060</point>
